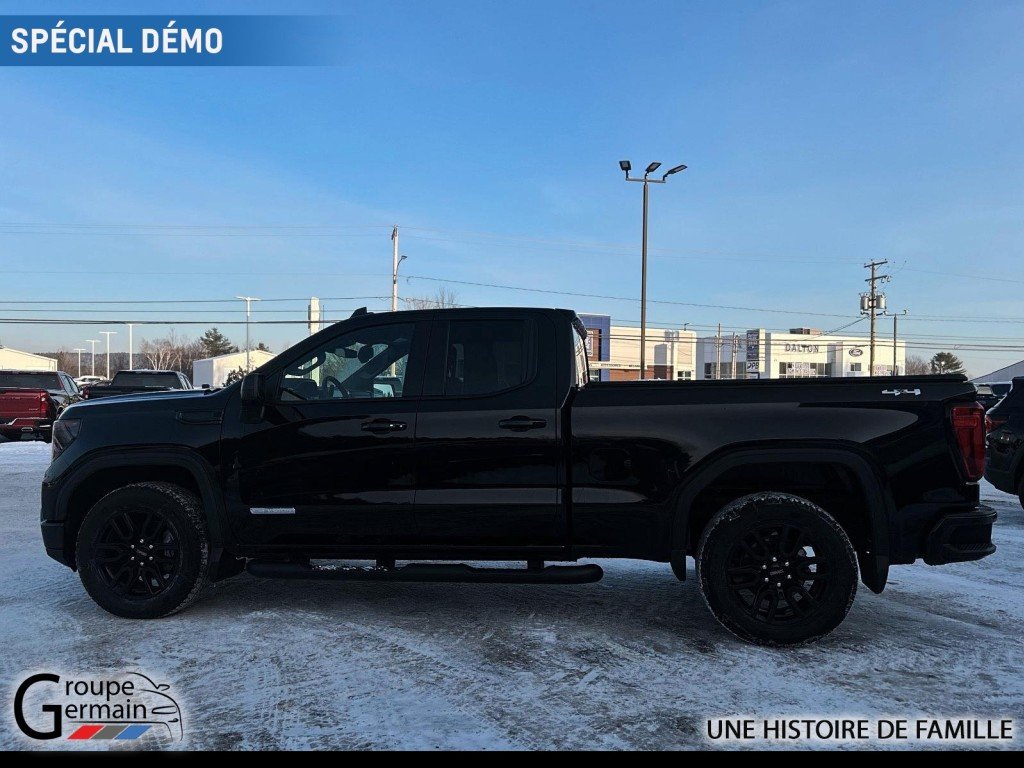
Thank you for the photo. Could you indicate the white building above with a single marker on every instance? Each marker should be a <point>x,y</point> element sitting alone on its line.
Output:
<point>800,353</point>
<point>16,360</point>
<point>670,354</point>
<point>214,371</point>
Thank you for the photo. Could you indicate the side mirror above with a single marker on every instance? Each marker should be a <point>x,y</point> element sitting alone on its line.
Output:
<point>252,391</point>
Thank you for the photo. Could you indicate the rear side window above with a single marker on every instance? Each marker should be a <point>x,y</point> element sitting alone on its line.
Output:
<point>488,356</point>
<point>30,381</point>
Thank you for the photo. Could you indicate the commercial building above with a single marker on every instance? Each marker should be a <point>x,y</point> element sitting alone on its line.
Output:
<point>16,360</point>
<point>214,371</point>
<point>614,351</point>
<point>801,353</point>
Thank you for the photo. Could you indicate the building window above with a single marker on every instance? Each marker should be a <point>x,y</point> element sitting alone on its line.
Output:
<point>856,367</point>
<point>800,370</point>
<point>725,371</point>
<point>684,375</point>
<point>594,344</point>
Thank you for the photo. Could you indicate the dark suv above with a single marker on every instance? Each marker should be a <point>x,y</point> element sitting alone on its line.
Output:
<point>1004,467</point>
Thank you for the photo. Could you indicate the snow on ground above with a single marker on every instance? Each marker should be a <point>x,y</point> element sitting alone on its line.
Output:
<point>634,661</point>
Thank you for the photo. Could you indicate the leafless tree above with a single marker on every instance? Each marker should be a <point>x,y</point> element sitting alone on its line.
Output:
<point>444,298</point>
<point>917,366</point>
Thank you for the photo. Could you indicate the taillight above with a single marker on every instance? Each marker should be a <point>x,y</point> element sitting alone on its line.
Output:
<point>991,425</point>
<point>85,393</point>
<point>44,405</point>
<point>969,428</point>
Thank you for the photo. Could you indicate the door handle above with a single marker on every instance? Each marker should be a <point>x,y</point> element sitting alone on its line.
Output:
<point>380,426</point>
<point>522,423</point>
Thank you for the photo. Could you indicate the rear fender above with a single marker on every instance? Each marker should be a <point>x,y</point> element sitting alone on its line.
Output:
<point>873,557</point>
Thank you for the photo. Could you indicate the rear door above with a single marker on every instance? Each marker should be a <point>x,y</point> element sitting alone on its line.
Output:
<point>487,435</point>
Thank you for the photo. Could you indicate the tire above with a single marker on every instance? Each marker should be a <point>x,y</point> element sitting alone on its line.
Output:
<point>173,551</point>
<point>1020,492</point>
<point>799,597</point>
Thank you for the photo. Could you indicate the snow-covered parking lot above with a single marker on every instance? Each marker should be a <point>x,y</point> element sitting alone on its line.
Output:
<point>633,661</point>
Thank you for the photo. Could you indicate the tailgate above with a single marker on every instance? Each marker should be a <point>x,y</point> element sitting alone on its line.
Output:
<point>22,403</point>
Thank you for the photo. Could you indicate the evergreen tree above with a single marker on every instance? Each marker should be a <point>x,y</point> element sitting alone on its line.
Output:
<point>947,362</point>
<point>215,343</point>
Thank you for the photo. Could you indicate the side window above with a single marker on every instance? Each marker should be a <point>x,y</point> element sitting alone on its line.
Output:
<point>582,367</point>
<point>69,385</point>
<point>363,364</point>
<point>487,356</point>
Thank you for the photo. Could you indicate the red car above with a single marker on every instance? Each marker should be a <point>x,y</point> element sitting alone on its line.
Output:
<point>30,402</point>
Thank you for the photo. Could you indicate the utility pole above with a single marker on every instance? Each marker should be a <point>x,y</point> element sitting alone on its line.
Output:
<point>625,166</point>
<point>248,314</point>
<point>131,359</point>
<point>718,352</point>
<point>108,334</point>
<point>79,350</point>
<point>93,342</point>
<point>735,351</point>
<point>871,302</point>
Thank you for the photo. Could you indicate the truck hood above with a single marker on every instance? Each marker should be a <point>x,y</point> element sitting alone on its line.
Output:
<point>153,401</point>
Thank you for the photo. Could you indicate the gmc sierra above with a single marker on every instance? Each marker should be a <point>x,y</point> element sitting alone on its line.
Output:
<point>476,435</point>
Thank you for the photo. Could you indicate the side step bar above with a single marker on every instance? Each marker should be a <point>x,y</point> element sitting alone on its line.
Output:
<point>453,573</point>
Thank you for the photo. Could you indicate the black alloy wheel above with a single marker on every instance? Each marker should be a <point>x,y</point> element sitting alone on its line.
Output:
<point>142,551</point>
<point>774,574</point>
<point>776,569</point>
<point>138,553</point>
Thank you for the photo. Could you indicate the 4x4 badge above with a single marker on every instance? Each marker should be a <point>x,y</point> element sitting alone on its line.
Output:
<point>898,392</point>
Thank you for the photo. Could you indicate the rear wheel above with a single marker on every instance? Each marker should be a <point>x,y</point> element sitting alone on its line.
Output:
<point>143,552</point>
<point>776,569</point>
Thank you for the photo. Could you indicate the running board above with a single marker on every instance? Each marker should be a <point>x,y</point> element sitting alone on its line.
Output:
<point>454,573</point>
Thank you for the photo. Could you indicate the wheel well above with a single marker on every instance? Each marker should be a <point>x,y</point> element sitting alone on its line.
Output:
<point>102,482</point>
<point>833,487</point>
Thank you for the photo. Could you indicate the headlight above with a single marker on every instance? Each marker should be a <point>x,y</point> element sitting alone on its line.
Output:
<point>64,433</point>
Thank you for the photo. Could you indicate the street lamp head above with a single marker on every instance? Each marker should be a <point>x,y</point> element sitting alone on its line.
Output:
<point>652,168</point>
<point>625,166</point>
<point>402,258</point>
<point>670,171</point>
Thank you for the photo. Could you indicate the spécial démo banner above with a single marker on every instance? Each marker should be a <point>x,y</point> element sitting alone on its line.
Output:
<point>179,40</point>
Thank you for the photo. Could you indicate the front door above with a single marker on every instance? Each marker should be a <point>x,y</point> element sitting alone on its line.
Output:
<point>488,434</point>
<point>332,461</point>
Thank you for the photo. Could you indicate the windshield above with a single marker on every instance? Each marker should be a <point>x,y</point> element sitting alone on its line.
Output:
<point>147,380</point>
<point>30,381</point>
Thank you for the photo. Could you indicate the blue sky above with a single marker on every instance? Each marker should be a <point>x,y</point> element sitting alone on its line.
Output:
<point>818,135</point>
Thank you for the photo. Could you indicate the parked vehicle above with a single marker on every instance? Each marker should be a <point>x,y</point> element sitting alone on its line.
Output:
<point>990,394</point>
<point>137,382</point>
<point>30,401</point>
<point>82,381</point>
<point>497,446</point>
<point>1004,467</point>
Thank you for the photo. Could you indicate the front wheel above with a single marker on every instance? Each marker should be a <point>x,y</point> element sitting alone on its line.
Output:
<point>143,551</point>
<point>776,569</point>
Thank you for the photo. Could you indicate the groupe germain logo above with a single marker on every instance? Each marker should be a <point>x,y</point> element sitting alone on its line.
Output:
<point>113,709</point>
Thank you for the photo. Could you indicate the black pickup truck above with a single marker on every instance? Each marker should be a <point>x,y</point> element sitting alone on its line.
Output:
<point>475,435</point>
<point>137,382</point>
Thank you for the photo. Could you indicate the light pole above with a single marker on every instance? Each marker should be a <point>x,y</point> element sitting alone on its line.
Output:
<point>397,261</point>
<point>248,313</point>
<point>131,359</point>
<point>93,342</point>
<point>79,350</point>
<point>108,334</point>
<point>626,167</point>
